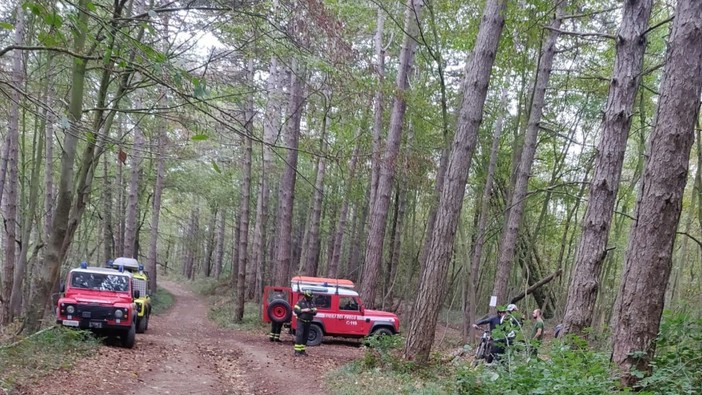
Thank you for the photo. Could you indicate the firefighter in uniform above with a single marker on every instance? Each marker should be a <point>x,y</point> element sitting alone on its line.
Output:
<point>305,310</point>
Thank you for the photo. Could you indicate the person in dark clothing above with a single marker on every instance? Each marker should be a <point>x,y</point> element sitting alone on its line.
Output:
<point>276,327</point>
<point>508,324</point>
<point>305,310</point>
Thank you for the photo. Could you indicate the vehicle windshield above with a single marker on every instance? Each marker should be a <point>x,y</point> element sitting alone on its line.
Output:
<point>100,281</point>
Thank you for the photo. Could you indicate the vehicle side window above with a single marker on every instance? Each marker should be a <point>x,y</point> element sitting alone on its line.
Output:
<point>348,303</point>
<point>322,301</point>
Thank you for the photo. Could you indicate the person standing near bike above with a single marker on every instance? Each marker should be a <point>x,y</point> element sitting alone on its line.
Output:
<point>305,310</point>
<point>538,332</point>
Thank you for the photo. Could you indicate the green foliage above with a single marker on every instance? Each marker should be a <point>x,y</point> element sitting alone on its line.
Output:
<point>161,301</point>
<point>678,361</point>
<point>222,302</point>
<point>36,356</point>
<point>569,370</point>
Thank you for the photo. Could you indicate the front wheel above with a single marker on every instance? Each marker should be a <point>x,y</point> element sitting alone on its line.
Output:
<point>381,332</point>
<point>141,324</point>
<point>128,337</point>
<point>316,335</point>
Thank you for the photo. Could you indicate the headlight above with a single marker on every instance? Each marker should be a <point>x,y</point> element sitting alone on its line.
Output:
<point>119,313</point>
<point>70,309</point>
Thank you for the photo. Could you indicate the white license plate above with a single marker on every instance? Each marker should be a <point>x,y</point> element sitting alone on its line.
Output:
<point>71,323</point>
<point>95,324</point>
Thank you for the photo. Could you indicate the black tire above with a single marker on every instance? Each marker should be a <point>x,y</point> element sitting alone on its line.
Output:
<point>141,324</point>
<point>316,335</point>
<point>279,311</point>
<point>146,325</point>
<point>128,337</point>
<point>480,351</point>
<point>382,332</point>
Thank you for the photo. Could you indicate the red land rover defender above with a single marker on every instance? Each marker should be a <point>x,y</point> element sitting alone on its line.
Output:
<point>101,300</point>
<point>340,312</point>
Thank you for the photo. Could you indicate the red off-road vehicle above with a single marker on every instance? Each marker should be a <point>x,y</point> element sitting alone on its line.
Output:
<point>101,300</point>
<point>340,311</point>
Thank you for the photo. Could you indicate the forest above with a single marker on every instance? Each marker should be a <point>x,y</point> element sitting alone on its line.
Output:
<point>438,153</point>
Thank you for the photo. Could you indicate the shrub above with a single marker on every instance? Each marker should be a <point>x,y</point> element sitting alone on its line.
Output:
<point>678,361</point>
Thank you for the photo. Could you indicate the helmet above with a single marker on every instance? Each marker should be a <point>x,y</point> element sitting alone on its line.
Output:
<point>501,308</point>
<point>307,293</point>
<point>512,307</point>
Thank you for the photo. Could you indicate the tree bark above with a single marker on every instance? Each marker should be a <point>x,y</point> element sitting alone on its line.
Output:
<point>378,107</point>
<point>11,289</point>
<point>386,177</point>
<point>628,62</point>
<point>287,184</point>
<point>209,249</point>
<point>49,270</point>
<point>470,308</point>
<point>420,335</point>
<point>271,125</point>
<point>333,266</point>
<point>508,244</point>
<point>648,257</point>
<point>156,208</point>
<point>130,234</point>
<point>219,244</point>
<point>313,241</point>
<point>245,198</point>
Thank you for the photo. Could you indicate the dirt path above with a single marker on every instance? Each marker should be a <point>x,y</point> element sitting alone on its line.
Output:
<point>184,353</point>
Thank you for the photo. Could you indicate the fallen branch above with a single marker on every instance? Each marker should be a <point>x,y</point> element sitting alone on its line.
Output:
<point>28,337</point>
<point>536,286</point>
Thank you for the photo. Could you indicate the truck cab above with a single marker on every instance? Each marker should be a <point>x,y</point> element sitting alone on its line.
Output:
<point>101,300</point>
<point>340,311</point>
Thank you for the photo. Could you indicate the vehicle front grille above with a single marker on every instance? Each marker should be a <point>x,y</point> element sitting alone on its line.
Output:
<point>94,312</point>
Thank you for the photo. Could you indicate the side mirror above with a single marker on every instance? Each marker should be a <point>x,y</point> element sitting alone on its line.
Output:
<point>137,294</point>
<point>62,287</point>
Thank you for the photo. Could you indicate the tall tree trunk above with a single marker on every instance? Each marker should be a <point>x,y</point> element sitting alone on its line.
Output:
<point>508,244</point>
<point>271,125</point>
<point>245,198</point>
<point>648,257</point>
<point>386,177</point>
<point>333,266</point>
<point>49,270</point>
<point>313,241</point>
<point>156,208</point>
<point>107,231</point>
<point>209,249</point>
<point>287,183</point>
<point>11,291</point>
<point>190,244</point>
<point>420,335</point>
<point>120,209</point>
<point>592,249</point>
<point>354,265</point>
<point>219,244</point>
<point>470,307</point>
<point>130,234</point>
<point>235,251</point>
<point>378,107</point>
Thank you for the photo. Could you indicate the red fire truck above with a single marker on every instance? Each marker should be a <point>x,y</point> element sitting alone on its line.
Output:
<point>340,311</point>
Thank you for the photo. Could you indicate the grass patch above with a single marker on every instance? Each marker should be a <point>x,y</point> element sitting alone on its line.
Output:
<point>220,295</point>
<point>161,301</point>
<point>28,360</point>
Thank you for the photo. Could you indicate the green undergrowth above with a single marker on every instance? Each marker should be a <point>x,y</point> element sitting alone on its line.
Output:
<point>29,359</point>
<point>220,295</point>
<point>161,301</point>
<point>563,367</point>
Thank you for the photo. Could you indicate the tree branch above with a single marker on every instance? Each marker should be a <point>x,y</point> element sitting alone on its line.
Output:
<point>657,25</point>
<point>536,286</point>
<point>50,49</point>
<point>600,35</point>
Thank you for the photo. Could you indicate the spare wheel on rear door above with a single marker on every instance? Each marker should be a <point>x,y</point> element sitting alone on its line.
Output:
<point>279,311</point>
